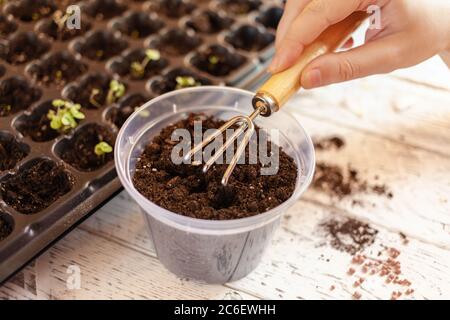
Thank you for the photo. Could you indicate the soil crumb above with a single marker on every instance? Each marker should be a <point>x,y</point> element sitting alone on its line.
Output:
<point>186,190</point>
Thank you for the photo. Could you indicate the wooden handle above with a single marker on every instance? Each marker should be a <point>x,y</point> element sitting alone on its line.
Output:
<point>281,86</point>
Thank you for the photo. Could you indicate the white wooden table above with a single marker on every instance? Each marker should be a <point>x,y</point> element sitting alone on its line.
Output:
<point>396,126</point>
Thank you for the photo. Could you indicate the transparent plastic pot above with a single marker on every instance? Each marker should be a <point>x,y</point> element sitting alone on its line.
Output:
<point>212,251</point>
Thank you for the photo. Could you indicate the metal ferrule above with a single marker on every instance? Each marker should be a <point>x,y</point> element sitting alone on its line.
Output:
<point>266,101</point>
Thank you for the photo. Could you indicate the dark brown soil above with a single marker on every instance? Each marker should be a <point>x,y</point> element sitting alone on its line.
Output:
<point>176,42</point>
<point>82,92</point>
<point>104,9</point>
<point>122,66</point>
<point>209,22</point>
<point>50,28</point>
<point>57,69</point>
<point>16,94</point>
<point>2,70</point>
<point>31,10</point>
<point>169,83</point>
<point>349,235</point>
<point>35,186</point>
<point>138,25</point>
<point>100,46</point>
<point>239,6</point>
<point>249,38</point>
<point>79,150</point>
<point>217,61</point>
<point>11,151</point>
<point>126,107</point>
<point>6,26</point>
<point>271,17</point>
<point>186,190</point>
<point>172,8</point>
<point>37,124</point>
<point>23,47</point>
<point>5,226</point>
<point>329,143</point>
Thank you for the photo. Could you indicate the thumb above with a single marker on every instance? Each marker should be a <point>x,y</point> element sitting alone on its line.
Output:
<point>379,56</point>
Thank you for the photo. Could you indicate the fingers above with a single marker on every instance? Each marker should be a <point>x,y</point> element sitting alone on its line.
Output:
<point>379,56</point>
<point>307,26</point>
<point>291,10</point>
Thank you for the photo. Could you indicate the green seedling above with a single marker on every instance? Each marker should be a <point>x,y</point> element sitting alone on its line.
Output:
<point>138,68</point>
<point>94,93</point>
<point>213,59</point>
<point>186,82</point>
<point>66,115</point>
<point>5,108</point>
<point>115,92</point>
<point>102,148</point>
<point>60,19</point>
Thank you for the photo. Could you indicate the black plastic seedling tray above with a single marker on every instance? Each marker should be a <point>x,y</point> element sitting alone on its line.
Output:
<point>40,62</point>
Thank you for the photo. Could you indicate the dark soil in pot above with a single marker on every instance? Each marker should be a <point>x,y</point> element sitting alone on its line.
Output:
<point>57,69</point>
<point>186,190</point>
<point>16,94</point>
<point>103,9</point>
<point>36,186</point>
<point>239,6</point>
<point>125,66</point>
<point>37,124</point>
<point>138,25</point>
<point>51,29</point>
<point>100,45</point>
<point>249,38</point>
<point>79,151</point>
<point>11,151</point>
<point>23,47</point>
<point>169,81</point>
<point>6,26</point>
<point>6,226</point>
<point>118,115</point>
<point>217,61</point>
<point>209,21</point>
<point>172,8</point>
<point>31,10</point>
<point>176,42</point>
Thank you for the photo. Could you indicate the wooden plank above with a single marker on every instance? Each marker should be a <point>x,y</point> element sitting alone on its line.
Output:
<point>383,106</point>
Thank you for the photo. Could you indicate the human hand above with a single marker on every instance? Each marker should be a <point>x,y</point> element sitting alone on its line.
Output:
<point>411,32</point>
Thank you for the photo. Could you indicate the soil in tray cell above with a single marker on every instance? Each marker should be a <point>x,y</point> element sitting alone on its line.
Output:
<point>217,61</point>
<point>56,29</point>
<point>239,6</point>
<point>30,10</point>
<point>118,115</point>
<point>249,38</point>
<point>209,21</point>
<point>6,226</point>
<point>7,26</point>
<point>11,151</point>
<point>16,94</point>
<point>104,9</point>
<point>100,45</point>
<point>138,25</point>
<point>23,47</point>
<point>178,78</point>
<point>186,190</point>
<point>139,64</point>
<point>176,42</point>
<point>270,18</point>
<point>35,186</point>
<point>172,8</point>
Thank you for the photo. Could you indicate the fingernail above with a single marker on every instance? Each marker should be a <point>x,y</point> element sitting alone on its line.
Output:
<point>312,78</point>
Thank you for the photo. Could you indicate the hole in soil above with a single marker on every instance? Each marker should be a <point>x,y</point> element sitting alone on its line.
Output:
<point>172,8</point>
<point>36,125</point>
<point>249,38</point>
<point>239,6</point>
<point>176,42</point>
<point>57,69</point>
<point>50,28</point>
<point>176,79</point>
<point>137,65</point>
<point>30,10</point>
<point>104,9</point>
<point>118,115</point>
<point>7,26</point>
<point>209,22</point>
<point>92,91</point>
<point>270,17</point>
<point>138,25</point>
<point>38,184</point>
<point>23,47</point>
<point>6,225</point>
<point>217,60</point>
<point>80,150</point>
<point>100,45</point>
<point>11,151</point>
<point>16,94</point>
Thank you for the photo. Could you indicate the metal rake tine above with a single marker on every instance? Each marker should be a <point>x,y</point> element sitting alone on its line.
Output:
<point>229,141</point>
